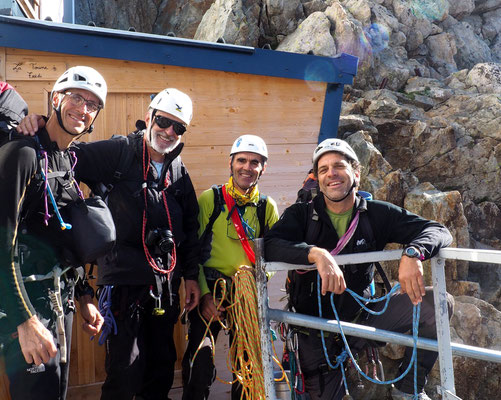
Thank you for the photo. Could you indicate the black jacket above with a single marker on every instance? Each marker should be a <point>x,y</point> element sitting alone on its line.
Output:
<point>287,242</point>
<point>127,263</point>
<point>27,245</point>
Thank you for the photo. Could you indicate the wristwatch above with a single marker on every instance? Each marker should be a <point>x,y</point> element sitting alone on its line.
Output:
<point>412,252</point>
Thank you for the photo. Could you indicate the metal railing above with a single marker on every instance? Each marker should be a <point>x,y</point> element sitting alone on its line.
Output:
<point>443,344</point>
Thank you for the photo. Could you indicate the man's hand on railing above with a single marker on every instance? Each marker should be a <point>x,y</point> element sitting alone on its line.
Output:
<point>410,276</point>
<point>331,275</point>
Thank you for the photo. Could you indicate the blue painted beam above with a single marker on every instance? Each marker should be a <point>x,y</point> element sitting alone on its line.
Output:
<point>133,46</point>
<point>332,111</point>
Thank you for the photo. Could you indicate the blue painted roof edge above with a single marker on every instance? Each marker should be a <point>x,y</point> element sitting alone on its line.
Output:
<point>64,38</point>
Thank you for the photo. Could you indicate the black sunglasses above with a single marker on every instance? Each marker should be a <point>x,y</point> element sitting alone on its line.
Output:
<point>164,123</point>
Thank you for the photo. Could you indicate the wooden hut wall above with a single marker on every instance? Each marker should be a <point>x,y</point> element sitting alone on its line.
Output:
<point>286,112</point>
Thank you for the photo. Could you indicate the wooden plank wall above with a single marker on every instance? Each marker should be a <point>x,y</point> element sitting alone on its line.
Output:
<point>285,112</point>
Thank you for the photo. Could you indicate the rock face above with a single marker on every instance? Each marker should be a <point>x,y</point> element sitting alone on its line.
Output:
<point>424,116</point>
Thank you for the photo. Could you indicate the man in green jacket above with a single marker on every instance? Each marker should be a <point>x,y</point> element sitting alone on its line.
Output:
<point>222,209</point>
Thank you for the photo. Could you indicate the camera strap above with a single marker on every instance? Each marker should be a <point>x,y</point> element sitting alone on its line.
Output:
<point>158,270</point>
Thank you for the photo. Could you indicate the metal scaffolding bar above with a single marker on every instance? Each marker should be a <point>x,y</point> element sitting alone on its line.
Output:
<point>443,343</point>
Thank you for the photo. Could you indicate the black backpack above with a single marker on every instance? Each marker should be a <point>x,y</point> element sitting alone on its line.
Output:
<point>309,189</point>
<point>12,107</point>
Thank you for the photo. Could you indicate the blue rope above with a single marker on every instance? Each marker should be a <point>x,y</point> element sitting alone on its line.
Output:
<point>346,351</point>
<point>105,310</point>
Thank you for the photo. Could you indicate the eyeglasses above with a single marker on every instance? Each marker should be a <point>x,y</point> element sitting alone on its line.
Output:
<point>164,123</point>
<point>78,101</point>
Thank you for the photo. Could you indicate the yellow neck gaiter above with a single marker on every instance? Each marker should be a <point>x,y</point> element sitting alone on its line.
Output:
<point>242,199</point>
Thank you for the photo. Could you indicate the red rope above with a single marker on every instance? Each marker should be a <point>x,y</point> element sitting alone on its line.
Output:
<point>237,222</point>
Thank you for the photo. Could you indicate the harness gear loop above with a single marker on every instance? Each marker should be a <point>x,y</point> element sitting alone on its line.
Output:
<point>57,306</point>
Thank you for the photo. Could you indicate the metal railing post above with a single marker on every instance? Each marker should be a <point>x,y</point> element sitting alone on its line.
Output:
<point>443,328</point>
<point>264,321</point>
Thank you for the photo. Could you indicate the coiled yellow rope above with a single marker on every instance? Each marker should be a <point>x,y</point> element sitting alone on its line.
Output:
<point>244,358</point>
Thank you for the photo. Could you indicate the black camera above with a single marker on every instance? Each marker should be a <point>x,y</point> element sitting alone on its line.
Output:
<point>162,239</point>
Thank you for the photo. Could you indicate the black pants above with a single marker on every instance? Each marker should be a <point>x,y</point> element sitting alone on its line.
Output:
<point>140,358</point>
<point>323,383</point>
<point>198,378</point>
<point>49,381</point>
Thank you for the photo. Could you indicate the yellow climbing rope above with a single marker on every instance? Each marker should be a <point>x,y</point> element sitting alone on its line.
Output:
<point>244,358</point>
<point>245,350</point>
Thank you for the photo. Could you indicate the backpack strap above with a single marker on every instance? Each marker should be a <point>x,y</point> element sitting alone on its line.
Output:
<point>175,169</point>
<point>218,206</point>
<point>312,224</point>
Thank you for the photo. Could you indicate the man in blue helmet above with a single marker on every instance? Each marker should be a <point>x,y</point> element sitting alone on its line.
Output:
<point>338,220</point>
<point>37,276</point>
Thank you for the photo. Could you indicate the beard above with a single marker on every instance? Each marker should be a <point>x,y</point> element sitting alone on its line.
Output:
<point>160,145</point>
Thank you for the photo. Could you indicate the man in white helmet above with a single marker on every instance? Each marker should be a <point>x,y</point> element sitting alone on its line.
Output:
<point>154,206</point>
<point>339,220</point>
<point>221,207</point>
<point>37,279</point>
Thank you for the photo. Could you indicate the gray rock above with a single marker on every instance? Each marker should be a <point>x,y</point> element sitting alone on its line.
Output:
<point>280,17</point>
<point>313,35</point>
<point>482,6</point>
<point>446,208</point>
<point>442,49</point>
<point>461,8</point>
<point>486,77</point>
<point>347,32</point>
<point>476,323</point>
<point>429,87</point>
<point>313,6</point>
<point>471,49</point>
<point>360,10</point>
<point>491,24</point>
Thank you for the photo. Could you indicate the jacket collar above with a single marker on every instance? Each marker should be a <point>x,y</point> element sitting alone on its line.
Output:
<point>320,206</point>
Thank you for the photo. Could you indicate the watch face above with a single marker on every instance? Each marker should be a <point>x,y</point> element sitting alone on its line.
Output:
<point>411,252</point>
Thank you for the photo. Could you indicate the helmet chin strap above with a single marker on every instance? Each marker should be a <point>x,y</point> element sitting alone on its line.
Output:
<point>150,138</point>
<point>345,196</point>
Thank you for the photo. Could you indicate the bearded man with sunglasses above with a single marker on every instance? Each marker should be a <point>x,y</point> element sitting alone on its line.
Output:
<point>154,206</point>
<point>37,278</point>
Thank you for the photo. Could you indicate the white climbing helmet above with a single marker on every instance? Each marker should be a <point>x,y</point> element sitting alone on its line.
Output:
<point>337,145</point>
<point>250,143</point>
<point>174,102</point>
<point>82,77</point>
